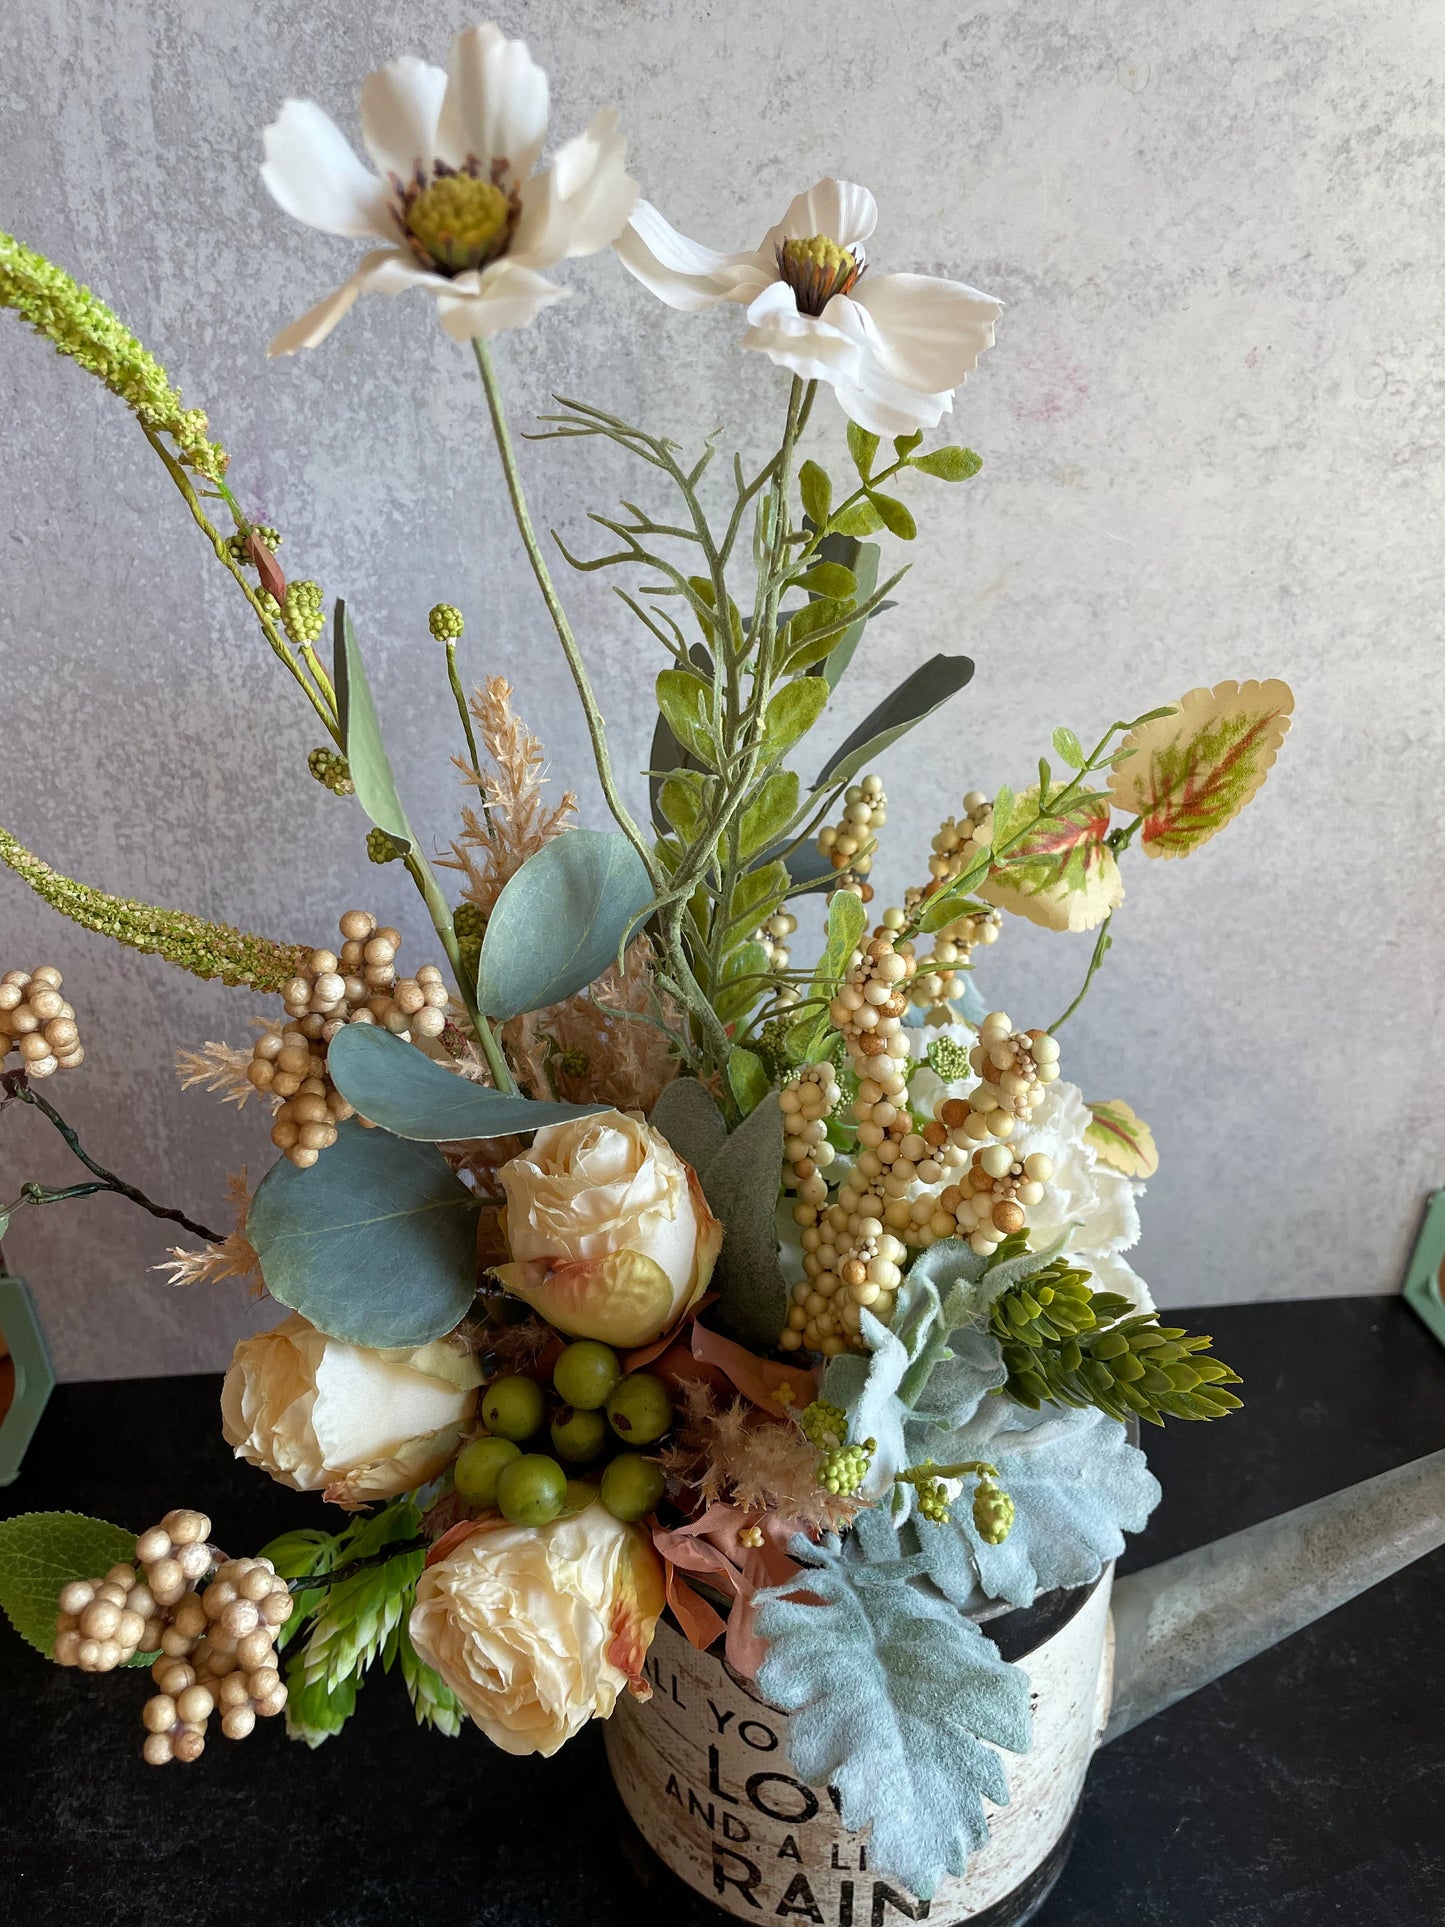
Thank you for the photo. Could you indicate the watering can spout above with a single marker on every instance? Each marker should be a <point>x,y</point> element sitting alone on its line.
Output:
<point>1183,1623</point>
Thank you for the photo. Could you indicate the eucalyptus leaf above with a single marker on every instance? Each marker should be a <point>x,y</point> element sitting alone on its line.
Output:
<point>559,921</point>
<point>741,1183</point>
<point>791,713</point>
<point>375,1244</point>
<point>688,1117</point>
<point>361,736</point>
<point>918,696</point>
<point>403,1090</point>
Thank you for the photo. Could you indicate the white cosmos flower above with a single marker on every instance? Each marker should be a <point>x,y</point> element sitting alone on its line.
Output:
<point>455,201</point>
<point>893,346</point>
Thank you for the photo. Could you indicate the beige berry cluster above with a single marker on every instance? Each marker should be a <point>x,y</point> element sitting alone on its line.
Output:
<point>773,936</point>
<point>1014,1067</point>
<point>356,985</point>
<point>849,845</point>
<point>991,1197</point>
<point>851,1253</point>
<point>36,1020</point>
<point>103,1623</point>
<point>959,842</point>
<point>806,1104</point>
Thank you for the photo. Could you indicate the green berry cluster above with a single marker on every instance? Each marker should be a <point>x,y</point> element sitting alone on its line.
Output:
<point>933,1501</point>
<point>843,1468</point>
<point>993,1513</point>
<point>823,1425</point>
<point>1065,1345</point>
<point>469,925</point>
<point>519,1463</point>
<point>381,847</point>
<point>301,612</point>
<point>445,622</point>
<point>948,1060</point>
<point>239,544</point>
<point>330,767</point>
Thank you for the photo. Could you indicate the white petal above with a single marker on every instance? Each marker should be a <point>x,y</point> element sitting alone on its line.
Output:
<point>383,271</point>
<point>871,396</point>
<point>399,109</point>
<point>504,295</point>
<point>929,333</point>
<point>842,210</point>
<point>684,273</point>
<point>313,175</point>
<point>496,102</point>
<point>581,203</point>
<point>805,343</point>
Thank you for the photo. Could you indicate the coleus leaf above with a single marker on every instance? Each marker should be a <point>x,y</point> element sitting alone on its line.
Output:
<point>1192,771</point>
<point>1122,1140</point>
<point>897,1701</point>
<point>1063,875</point>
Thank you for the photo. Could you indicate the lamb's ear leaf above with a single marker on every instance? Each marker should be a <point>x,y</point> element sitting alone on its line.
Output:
<point>375,1244</point>
<point>897,1700</point>
<point>399,1087</point>
<point>558,921</point>
<point>740,1182</point>
<point>361,736</point>
<point>916,697</point>
<point>688,1117</point>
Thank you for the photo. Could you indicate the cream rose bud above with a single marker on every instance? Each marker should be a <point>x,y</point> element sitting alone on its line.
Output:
<point>314,1412</point>
<point>609,1232</point>
<point>537,1629</point>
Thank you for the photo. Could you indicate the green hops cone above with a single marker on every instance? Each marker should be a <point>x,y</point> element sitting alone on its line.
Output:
<point>330,767</point>
<point>1065,1345</point>
<point>469,926</point>
<point>993,1513</point>
<point>191,943</point>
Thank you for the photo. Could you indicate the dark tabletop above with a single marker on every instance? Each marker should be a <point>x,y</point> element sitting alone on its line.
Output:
<point>1304,1789</point>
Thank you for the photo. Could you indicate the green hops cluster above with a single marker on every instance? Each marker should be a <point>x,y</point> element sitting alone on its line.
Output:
<point>843,1468</point>
<point>240,543</point>
<point>445,622</point>
<point>993,1513</point>
<point>1079,1348</point>
<point>469,925</point>
<point>381,848</point>
<point>301,612</point>
<point>948,1060</point>
<point>933,1501</point>
<point>330,767</point>
<point>823,1425</point>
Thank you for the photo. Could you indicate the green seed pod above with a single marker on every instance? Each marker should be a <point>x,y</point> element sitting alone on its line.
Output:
<point>330,767</point>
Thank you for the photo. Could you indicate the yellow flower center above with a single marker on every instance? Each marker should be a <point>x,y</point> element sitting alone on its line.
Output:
<point>460,221</point>
<point>816,269</point>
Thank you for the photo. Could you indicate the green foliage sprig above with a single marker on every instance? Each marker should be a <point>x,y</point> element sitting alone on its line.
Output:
<point>203,948</point>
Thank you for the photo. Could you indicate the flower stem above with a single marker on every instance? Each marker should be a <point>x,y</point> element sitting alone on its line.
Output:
<point>596,728</point>
<point>402,1549</point>
<point>1102,944</point>
<point>454,677</point>
<point>17,1087</point>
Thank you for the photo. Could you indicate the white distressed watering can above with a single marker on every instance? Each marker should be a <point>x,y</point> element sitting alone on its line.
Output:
<point>703,1766</point>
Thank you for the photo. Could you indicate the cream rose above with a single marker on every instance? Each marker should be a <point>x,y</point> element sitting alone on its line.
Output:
<point>609,1232</point>
<point>363,1424</point>
<point>537,1629</point>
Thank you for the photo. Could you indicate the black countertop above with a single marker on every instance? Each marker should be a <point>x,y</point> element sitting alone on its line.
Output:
<point>1307,1788</point>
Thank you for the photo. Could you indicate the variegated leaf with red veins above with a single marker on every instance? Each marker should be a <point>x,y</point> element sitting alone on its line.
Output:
<point>1193,770</point>
<point>1121,1140</point>
<point>1063,875</point>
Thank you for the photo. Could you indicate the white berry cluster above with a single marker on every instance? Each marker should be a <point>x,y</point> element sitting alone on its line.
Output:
<point>991,1197</point>
<point>806,1104</point>
<point>773,936</point>
<point>849,846</point>
<point>1014,1068</point>
<point>356,985</point>
<point>217,1641</point>
<point>36,1020</point>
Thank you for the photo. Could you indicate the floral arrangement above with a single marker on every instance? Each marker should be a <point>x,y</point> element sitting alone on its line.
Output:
<point>629,1266</point>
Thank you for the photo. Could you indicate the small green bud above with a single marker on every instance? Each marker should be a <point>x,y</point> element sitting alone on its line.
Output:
<point>469,924</point>
<point>993,1513</point>
<point>382,848</point>
<point>445,622</point>
<point>948,1060</point>
<point>240,543</point>
<point>575,1063</point>
<point>330,767</point>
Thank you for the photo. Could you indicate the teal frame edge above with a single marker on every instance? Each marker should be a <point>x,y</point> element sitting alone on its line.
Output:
<point>1425,1279</point>
<point>34,1374</point>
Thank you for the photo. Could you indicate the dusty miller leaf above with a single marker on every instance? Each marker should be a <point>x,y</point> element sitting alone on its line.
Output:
<point>1192,771</point>
<point>897,1700</point>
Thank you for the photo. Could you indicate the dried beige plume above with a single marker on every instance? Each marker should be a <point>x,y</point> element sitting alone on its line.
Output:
<point>514,822</point>
<point>234,1257</point>
<point>733,1455</point>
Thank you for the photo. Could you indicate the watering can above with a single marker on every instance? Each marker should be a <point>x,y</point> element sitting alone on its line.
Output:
<point>703,1767</point>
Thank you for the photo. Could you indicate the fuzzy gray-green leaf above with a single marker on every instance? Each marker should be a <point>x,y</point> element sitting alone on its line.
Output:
<point>688,1117</point>
<point>741,1183</point>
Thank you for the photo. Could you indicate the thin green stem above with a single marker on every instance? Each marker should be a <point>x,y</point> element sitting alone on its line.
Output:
<point>424,877</point>
<point>1102,944</point>
<point>596,728</point>
<point>454,677</point>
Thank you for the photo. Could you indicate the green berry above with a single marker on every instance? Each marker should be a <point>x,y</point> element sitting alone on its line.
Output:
<point>632,1486</point>
<point>581,1493</point>
<point>993,1514</point>
<point>640,1409</point>
<point>586,1374</point>
<point>479,1466</point>
<point>512,1407</point>
<point>843,1469</point>
<point>578,1436</point>
<point>823,1425</point>
<point>933,1501</point>
<point>330,767</point>
<point>532,1490</point>
<point>445,622</point>
<point>381,848</point>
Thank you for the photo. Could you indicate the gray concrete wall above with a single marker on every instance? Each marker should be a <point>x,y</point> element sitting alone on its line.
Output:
<point>1212,439</point>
